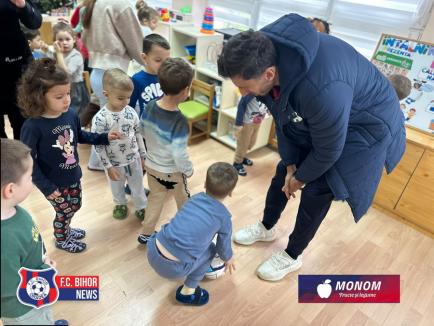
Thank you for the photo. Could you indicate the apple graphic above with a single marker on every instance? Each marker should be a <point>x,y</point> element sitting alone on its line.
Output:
<point>324,289</point>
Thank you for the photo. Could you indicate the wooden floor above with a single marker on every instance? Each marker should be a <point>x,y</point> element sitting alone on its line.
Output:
<point>132,294</point>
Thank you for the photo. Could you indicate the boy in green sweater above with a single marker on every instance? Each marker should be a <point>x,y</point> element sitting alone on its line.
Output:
<point>21,242</point>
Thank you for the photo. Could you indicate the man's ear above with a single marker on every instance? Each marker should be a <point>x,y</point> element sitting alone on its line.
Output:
<point>270,73</point>
<point>230,194</point>
<point>8,190</point>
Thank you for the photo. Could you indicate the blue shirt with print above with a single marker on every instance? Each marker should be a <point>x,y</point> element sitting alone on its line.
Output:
<point>146,89</point>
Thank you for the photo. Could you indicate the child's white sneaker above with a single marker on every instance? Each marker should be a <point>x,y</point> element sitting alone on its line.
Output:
<point>216,269</point>
<point>278,266</point>
<point>255,232</point>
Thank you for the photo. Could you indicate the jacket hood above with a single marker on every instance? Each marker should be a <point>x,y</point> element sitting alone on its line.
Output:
<point>296,43</point>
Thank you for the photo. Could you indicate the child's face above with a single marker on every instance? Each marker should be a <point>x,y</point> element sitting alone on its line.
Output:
<point>117,98</point>
<point>58,99</point>
<point>65,40</point>
<point>36,43</point>
<point>152,23</point>
<point>24,186</point>
<point>154,58</point>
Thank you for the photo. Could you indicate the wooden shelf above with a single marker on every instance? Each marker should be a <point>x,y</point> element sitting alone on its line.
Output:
<point>210,73</point>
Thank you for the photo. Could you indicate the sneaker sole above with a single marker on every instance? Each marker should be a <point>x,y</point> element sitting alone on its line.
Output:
<point>252,242</point>
<point>278,278</point>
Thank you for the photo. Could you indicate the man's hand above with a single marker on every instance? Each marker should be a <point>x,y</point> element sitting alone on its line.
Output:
<point>54,195</point>
<point>113,174</point>
<point>294,185</point>
<point>289,186</point>
<point>230,266</point>
<point>19,3</point>
<point>142,161</point>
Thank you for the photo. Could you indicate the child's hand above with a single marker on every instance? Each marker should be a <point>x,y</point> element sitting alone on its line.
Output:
<point>229,266</point>
<point>113,174</point>
<point>44,46</point>
<point>47,260</point>
<point>57,47</point>
<point>54,195</point>
<point>237,131</point>
<point>113,135</point>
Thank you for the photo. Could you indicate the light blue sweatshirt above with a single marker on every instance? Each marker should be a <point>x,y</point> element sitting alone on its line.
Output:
<point>191,231</point>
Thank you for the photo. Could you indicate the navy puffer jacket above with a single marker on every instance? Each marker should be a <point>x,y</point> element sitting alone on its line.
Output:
<point>336,115</point>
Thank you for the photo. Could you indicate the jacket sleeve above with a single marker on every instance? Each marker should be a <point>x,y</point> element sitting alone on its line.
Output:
<point>130,33</point>
<point>224,242</point>
<point>288,151</point>
<point>30,16</point>
<point>327,116</point>
<point>241,109</point>
<point>85,137</point>
<point>30,137</point>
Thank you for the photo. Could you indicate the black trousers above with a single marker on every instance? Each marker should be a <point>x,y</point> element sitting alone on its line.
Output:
<point>316,198</point>
<point>9,107</point>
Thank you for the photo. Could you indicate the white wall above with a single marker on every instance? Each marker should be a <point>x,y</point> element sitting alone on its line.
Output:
<point>428,34</point>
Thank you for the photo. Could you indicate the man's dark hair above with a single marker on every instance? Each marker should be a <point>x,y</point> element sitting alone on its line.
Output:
<point>174,75</point>
<point>247,54</point>
<point>154,39</point>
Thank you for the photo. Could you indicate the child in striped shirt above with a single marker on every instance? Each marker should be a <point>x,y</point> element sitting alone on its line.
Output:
<point>166,130</point>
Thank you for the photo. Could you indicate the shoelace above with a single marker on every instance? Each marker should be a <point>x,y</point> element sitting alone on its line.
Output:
<point>279,261</point>
<point>70,243</point>
<point>254,229</point>
<point>74,232</point>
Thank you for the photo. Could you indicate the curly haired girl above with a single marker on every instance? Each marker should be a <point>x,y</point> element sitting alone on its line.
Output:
<point>52,131</point>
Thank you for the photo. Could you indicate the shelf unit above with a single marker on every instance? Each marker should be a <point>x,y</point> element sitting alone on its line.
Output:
<point>227,121</point>
<point>207,50</point>
<point>165,28</point>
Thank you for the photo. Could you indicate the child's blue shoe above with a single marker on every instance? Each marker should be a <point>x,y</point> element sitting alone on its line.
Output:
<point>199,298</point>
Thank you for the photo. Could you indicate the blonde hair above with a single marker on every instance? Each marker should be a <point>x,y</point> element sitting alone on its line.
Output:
<point>118,79</point>
<point>144,12</point>
<point>62,27</point>
<point>13,154</point>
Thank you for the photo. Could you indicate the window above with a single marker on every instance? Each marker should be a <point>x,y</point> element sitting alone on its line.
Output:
<point>358,22</point>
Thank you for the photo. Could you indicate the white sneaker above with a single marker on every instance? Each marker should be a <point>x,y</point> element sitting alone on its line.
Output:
<point>278,266</point>
<point>255,232</point>
<point>216,268</point>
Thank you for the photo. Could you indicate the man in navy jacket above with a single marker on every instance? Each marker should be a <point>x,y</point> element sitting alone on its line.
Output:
<point>338,124</point>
